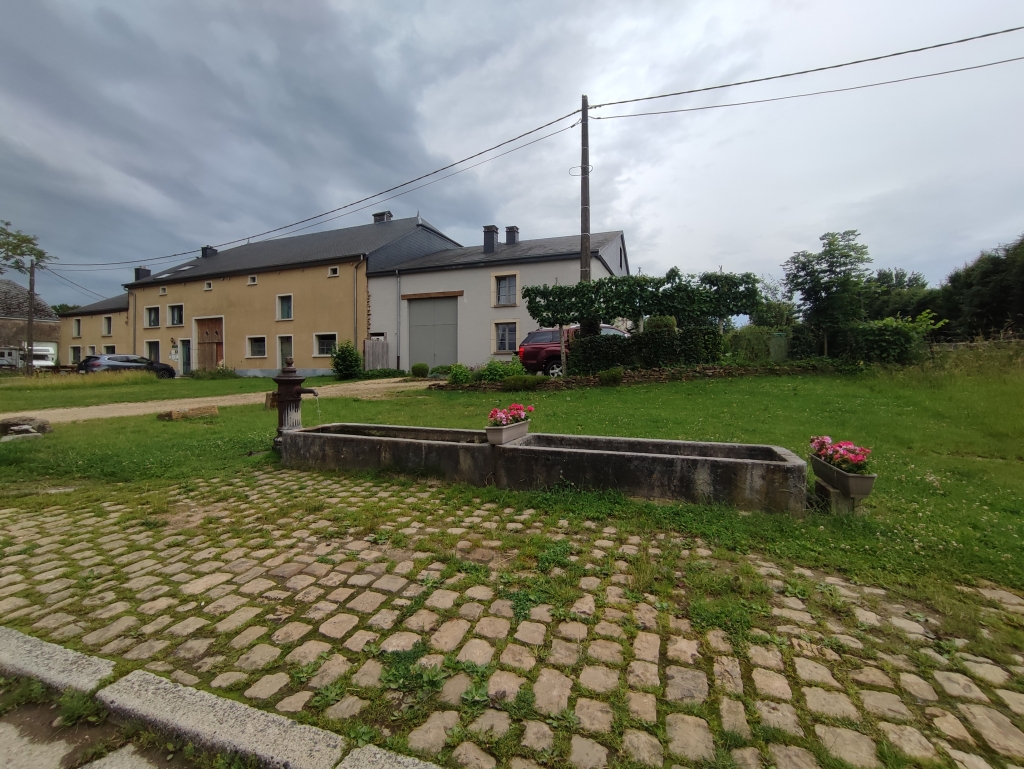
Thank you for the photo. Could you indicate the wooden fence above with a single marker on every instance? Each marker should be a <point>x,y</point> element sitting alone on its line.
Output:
<point>375,353</point>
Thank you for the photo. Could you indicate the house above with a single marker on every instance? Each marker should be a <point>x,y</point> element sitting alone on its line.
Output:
<point>102,328</point>
<point>465,304</point>
<point>250,307</point>
<point>14,323</point>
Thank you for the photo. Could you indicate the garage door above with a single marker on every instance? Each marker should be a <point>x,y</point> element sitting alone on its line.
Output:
<point>433,331</point>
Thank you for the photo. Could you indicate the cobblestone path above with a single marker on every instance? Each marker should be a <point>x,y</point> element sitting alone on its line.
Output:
<point>474,636</point>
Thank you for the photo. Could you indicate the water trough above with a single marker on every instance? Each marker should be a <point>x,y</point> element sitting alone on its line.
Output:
<point>747,476</point>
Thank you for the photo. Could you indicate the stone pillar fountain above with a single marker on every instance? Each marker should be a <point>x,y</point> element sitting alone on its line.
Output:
<point>289,399</point>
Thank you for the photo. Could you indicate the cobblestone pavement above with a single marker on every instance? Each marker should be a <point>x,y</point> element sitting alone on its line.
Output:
<point>474,635</point>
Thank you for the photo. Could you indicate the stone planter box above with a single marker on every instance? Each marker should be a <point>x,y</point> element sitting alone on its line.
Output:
<point>505,433</point>
<point>749,477</point>
<point>853,485</point>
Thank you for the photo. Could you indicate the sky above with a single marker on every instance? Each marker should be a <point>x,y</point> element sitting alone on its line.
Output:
<point>129,131</point>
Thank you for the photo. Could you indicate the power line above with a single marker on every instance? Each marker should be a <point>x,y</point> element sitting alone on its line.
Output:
<point>66,280</point>
<point>811,93</point>
<point>815,69</point>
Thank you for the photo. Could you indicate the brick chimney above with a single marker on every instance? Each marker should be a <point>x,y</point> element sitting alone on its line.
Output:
<point>490,238</point>
<point>511,235</point>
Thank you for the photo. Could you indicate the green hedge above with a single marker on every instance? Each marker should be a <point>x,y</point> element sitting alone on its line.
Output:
<point>649,349</point>
<point>892,340</point>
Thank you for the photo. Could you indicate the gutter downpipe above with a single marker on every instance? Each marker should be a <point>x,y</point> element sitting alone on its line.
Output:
<point>398,332</point>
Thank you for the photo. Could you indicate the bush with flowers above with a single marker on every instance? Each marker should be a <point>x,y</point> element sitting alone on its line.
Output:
<point>516,412</point>
<point>843,455</point>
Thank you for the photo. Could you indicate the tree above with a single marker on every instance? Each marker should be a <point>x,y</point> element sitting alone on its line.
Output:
<point>772,309</point>
<point>554,306</point>
<point>62,307</point>
<point>829,282</point>
<point>22,253</point>
<point>987,295</point>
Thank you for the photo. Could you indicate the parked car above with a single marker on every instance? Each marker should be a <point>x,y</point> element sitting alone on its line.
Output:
<point>93,363</point>
<point>541,351</point>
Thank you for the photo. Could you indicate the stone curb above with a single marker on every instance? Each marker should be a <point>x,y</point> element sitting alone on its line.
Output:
<point>54,665</point>
<point>372,757</point>
<point>221,724</point>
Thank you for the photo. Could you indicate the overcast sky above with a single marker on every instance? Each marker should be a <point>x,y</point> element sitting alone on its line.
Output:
<point>130,130</point>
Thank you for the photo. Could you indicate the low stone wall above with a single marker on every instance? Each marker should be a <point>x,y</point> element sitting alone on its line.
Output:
<point>747,476</point>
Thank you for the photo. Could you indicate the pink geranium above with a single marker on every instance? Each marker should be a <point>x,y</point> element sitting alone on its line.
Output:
<point>844,454</point>
<point>516,412</point>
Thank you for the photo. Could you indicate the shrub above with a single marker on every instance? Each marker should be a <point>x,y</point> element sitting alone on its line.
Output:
<point>420,370</point>
<point>588,355</point>
<point>459,374</point>
<point>890,340</point>
<point>497,371</point>
<point>649,349</point>
<point>221,372</point>
<point>521,382</point>
<point>749,345</point>
<point>611,377</point>
<point>441,371</point>
<point>660,323</point>
<point>347,361</point>
<point>382,373</point>
<point>804,342</point>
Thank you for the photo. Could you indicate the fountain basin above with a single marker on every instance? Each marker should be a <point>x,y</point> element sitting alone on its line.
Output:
<point>747,476</point>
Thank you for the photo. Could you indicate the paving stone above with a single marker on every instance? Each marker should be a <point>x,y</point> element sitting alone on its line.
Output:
<point>449,635</point>
<point>685,685</point>
<point>814,673</point>
<point>519,657</point>
<point>531,633</point>
<point>348,706</point>
<point>718,642</point>
<point>870,676</point>
<point>308,652</point>
<point>157,606</point>
<point>605,651</point>
<point>886,705</point>
<point>551,691</point>
<point>480,593</point>
<point>339,625</point>
<point>765,657</point>
<point>771,684</point>
<point>1014,700</point>
<point>575,631</point>
<point>690,737</point>
<point>201,585</point>
<point>538,736</point>
<point>685,650</point>
<point>236,620</point>
<point>909,741</point>
<point>290,633</point>
<point>502,608</point>
<point>491,723</point>
<point>990,674</point>
<point>642,706</point>
<point>728,674</point>
<point>423,621</point>
<point>400,642</point>
<point>441,599</point>
<point>996,729</point>
<point>111,631</point>
<point>267,686</point>
<point>608,630</point>
<point>746,758</point>
<point>734,717</point>
<point>584,606</point>
<point>593,715</point>
<point>852,747</point>
<point>366,602</point>
<point>646,647</point>
<point>787,757</point>
<point>832,704</point>
<point>430,737</point>
<point>390,583</point>
<point>779,715</point>
<point>644,675</point>
<point>468,755</point>
<point>256,587</point>
<point>293,703</point>
<point>492,627</point>
<point>959,685</point>
<point>476,651</point>
<point>247,636</point>
<point>182,677</point>
<point>368,675</point>
<point>598,678</point>
<point>329,672</point>
<point>194,648</point>
<point>224,680</point>
<point>642,747</point>
<point>454,687</point>
<point>584,753</point>
<point>187,626</point>
<point>146,649</point>
<point>258,657</point>
<point>965,760</point>
<point>949,725</point>
<point>646,616</point>
<point>359,639</point>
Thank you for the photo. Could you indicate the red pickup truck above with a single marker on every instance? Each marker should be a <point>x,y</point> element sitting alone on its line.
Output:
<point>540,350</point>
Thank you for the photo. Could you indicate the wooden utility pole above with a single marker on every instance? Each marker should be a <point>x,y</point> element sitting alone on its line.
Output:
<point>30,359</point>
<point>585,194</point>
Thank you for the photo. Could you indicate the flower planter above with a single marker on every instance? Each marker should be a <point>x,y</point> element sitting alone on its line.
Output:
<point>854,485</point>
<point>505,433</point>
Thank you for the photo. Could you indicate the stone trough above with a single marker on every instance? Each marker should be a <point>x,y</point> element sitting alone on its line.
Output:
<point>747,476</point>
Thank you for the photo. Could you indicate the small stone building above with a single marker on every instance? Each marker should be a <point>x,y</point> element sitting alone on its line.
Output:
<point>14,319</point>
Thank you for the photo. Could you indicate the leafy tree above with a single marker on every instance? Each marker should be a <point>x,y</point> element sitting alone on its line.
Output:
<point>553,306</point>
<point>59,308</point>
<point>772,309</point>
<point>987,295</point>
<point>896,293</point>
<point>19,251</point>
<point>830,283</point>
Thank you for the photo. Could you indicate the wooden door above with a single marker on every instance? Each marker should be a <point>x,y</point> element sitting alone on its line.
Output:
<point>210,333</point>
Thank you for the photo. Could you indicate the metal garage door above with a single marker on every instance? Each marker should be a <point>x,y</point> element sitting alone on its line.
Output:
<point>433,331</point>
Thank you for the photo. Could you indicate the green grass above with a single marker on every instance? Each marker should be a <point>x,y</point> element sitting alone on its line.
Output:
<point>948,448</point>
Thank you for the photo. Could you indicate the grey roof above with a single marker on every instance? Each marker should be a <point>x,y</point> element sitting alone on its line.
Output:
<point>541,249</point>
<point>117,303</point>
<point>364,239</point>
<point>14,303</point>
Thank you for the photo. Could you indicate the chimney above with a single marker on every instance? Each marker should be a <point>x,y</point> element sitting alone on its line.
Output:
<point>141,272</point>
<point>208,251</point>
<point>382,216</point>
<point>490,238</point>
<point>511,235</point>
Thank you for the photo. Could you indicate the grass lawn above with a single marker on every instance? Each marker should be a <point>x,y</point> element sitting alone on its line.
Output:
<point>948,448</point>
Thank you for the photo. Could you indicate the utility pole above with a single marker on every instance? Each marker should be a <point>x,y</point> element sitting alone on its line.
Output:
<point>31,314</point>
<point>585,194</point>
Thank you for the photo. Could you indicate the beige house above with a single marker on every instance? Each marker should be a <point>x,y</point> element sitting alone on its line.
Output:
<point>102,328</point>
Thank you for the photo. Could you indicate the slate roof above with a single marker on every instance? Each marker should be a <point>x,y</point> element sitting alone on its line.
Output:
<point>117,303</point>
<point>540,249</point>
<point>14,303</point>
<point>298,250</point>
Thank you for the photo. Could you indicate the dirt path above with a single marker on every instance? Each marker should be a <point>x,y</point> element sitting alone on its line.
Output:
<point>372,390</point>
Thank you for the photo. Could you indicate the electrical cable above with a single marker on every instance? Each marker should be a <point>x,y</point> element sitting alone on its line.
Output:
<point>811,93</point>
<point>66,280</point>
<point>809,71</point>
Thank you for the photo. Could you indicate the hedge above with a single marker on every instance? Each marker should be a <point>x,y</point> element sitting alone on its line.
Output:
<point>650,349</point>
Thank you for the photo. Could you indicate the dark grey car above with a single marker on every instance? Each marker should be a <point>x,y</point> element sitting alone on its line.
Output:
<point>94,363</point>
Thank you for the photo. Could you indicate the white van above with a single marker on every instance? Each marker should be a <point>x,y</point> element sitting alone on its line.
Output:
<point>43,357</point>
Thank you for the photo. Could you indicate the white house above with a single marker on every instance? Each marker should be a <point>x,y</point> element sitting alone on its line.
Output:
<point>465,305</point>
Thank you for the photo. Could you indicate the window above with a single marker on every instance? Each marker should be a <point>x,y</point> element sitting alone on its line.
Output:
<point>252,280</point>
<point>541,337</point>
<point>332,272</point>
<point>324,344</point>
<point>108,349</point>
<point>506,290</point>
<point>284,347</point>
<point>621,253</point>
<point>163,290</point>
<point>284,307</point>
<point>153,350</point>
<point>208,286</point>
<point>76,327</point>
<point>108,325</point>
<point>76,354</point>
<point>505,337</point>
<point>175,315</point>
<point>152,317</point>
<point>609,331</point>
<point>257,347</point>
<point>92,349</point>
